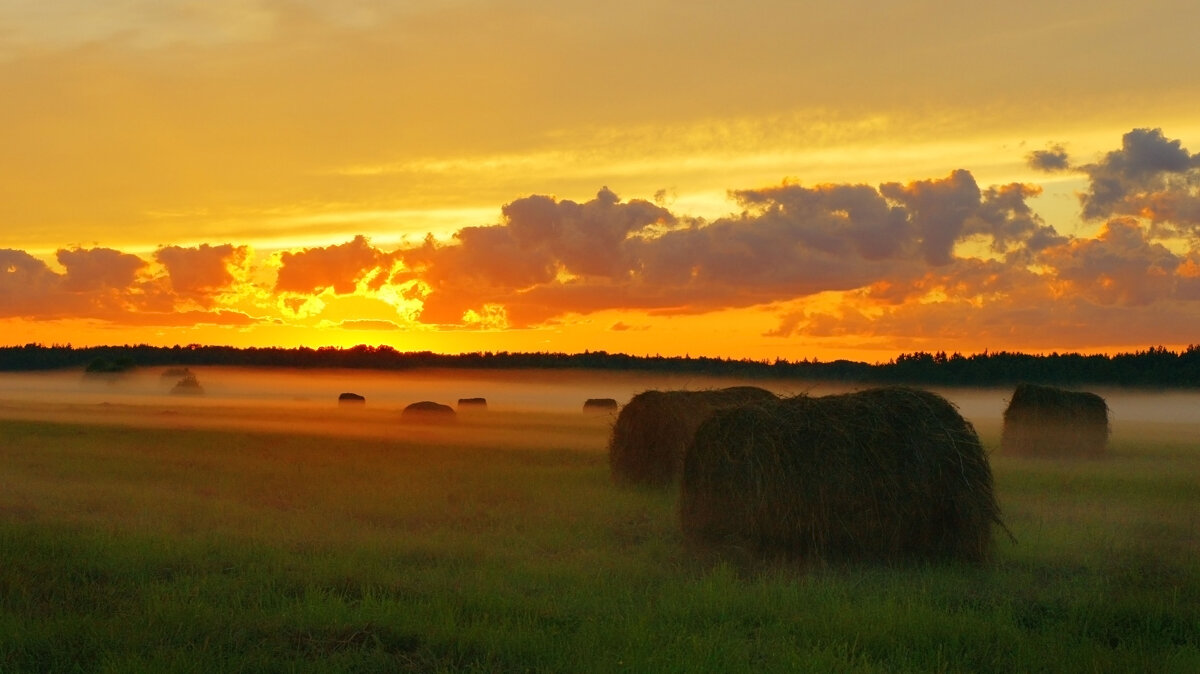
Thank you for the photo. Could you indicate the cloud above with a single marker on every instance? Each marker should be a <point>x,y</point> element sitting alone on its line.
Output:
<point>550,258</point>
<point>1113,279</point>
<point>369,325</point>
<point>1005,217</point>
<point>1054,159</point>
<point>27,285</point>
<point>1118,267</point>
<point>899,261</point>
<point>1147,163</point>
<point>90,269</point>
<point>98,283</point>
<point>622,326</point>
<point>939,210</point>
<point>201,272</point>
<point>542,243</point>
<point>339,267</point>
<point>218,317</point>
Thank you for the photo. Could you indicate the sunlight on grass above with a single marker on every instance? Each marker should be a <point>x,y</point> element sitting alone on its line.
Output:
<point>502,545</point>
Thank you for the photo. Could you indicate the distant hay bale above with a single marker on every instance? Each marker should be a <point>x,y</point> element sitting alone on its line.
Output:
<point>654,428</point>
<point>351,399</point>
<point>599,406</point>
<point>472,404</point>
<point>187,385</point>
<point>1049,421</point>
<point>886,475</point>
<point>428,412</point>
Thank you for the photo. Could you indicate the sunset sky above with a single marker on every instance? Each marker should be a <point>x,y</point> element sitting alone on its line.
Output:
<point>827,179</point>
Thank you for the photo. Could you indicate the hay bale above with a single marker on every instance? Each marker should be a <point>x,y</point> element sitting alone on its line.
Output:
<point>187,385</point>
<point>351,399</point>
<point>1049,421</point>
<point>888,474</point>
<point>654,428</point>
<point>472,404</point>
<point>428,412</point>
<point>599,406</point>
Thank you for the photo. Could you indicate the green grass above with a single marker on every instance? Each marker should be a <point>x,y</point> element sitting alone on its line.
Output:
<point>127,548</point>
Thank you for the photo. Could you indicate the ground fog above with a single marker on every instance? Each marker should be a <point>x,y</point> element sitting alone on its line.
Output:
<point>307,400</point>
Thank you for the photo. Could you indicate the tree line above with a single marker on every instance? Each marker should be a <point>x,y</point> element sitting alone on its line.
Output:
<point>1153,367</point>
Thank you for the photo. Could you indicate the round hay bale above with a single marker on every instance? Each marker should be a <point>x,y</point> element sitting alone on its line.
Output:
<point>351,399</point>
<point>1049,421</point>
<point>599,406</point>
<point>187,385</point>
<point>654,428</point>
<point>472,404</point>
<point>888,475</point>
<point>428,412</point>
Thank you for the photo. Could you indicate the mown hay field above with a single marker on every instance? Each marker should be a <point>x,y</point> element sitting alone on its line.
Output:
<point>134,540</point>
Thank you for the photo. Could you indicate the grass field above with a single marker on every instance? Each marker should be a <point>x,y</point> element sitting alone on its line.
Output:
<point>137,540</point>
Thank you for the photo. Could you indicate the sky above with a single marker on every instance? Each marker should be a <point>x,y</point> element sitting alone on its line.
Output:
<point>778,179</point>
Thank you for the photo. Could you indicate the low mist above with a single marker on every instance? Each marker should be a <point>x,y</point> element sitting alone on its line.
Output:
<point>302,400</point>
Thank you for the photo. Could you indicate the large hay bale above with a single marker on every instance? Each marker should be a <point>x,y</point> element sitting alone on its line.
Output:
<point>599,406</point>
<point>1049,421</point>
<point>351,399</point>
<point>654,428</point>
<point>889,474</point>
<point>428,412</point>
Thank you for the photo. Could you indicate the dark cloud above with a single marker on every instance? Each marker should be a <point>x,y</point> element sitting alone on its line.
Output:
<point>1051,160</point>
<point>551,258</point>
<point>938,211</point>
<point>1147,163</point>
<point>585,239</point>
<point>835,219</point>
<point>1005,217</point>
<point>543,243</point>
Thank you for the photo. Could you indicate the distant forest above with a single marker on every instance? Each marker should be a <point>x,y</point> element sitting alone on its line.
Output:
<point>1154,367</point>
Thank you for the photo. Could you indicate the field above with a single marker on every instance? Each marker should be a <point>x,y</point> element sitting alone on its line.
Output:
<point>141,534</point>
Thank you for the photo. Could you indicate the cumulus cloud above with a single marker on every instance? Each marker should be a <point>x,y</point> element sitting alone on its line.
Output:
<point>339,267</point>
<point>102,284</point>
<point>1120,266</point>
<point>543,242</point>
<point>27,285</point>
<point>1005,217</point>
<point>90,269</point>
<point>550,258</point>
<point>1147,164</point>
<point>1053,159</point>
<point>201,272</point>
<point>938,210</point>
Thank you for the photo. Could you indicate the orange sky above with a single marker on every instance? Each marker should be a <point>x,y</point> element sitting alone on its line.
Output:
<point>799,180</point>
